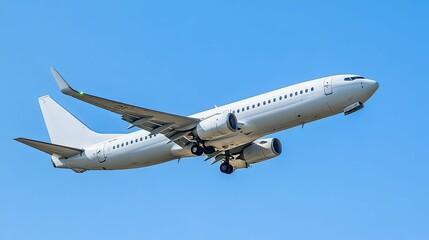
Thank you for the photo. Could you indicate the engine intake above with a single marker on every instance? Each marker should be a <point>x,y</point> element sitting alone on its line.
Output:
<point>261,150</point>
<point>216,126</point>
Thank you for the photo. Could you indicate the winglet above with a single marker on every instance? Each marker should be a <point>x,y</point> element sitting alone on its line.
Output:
<point>64,86</point>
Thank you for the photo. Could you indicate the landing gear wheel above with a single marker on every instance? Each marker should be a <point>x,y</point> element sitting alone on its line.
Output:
<point>226,168</point>
<point>209,150</point>
<point>196,150</point>
<point>231,169</point>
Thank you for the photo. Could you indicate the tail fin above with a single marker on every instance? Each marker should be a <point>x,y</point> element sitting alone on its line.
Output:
<point>65,129</point>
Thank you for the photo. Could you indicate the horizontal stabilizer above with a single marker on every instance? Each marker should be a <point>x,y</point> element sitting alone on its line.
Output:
<point>50,148</point>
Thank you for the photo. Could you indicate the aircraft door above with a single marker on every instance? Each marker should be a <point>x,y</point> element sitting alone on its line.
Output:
<point>100,153</point>
<point>327,85</point>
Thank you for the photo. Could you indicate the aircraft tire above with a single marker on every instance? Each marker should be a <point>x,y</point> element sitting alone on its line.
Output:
<point>209,150</point>
<point>226,168</point>
<point>197,150</point>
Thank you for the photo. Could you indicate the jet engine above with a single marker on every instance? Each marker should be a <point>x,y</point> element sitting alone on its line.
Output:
<point>261,150</point>
<point>216,126</point>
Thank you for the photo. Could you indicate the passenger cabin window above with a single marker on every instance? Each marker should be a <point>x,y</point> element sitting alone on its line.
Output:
<point>312,89</point>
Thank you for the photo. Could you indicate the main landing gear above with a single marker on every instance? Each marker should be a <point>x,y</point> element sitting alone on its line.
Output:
<point>198,150</point>
<point>225,167</point>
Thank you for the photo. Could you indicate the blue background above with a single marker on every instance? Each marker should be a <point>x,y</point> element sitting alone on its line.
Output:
<point>363,176</point>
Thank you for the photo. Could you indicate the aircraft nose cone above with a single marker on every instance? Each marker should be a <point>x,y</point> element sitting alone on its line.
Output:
<point>372,86</point>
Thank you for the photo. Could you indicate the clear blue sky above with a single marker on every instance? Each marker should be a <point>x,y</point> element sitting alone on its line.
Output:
<point>364,176</point>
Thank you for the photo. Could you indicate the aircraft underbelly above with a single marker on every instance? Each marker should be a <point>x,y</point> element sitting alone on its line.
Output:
<point>134,158</point>
<point>141,157</point>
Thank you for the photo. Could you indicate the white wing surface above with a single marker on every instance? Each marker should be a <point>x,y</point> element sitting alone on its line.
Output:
<point>175,127</point>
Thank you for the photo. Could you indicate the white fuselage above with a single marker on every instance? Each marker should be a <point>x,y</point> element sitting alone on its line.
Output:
<point>257,116</point>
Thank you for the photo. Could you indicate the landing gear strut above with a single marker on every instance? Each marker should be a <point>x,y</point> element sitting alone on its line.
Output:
<point>225,167</point>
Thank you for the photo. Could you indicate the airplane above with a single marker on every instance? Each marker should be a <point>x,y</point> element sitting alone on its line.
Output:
<point>232,135</point>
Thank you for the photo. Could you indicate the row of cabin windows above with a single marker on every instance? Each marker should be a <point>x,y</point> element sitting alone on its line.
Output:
<point>133,141</point>
<point>274,100</point>
<point>238,110</point>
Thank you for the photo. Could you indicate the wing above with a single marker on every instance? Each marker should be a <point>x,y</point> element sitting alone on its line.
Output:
<point>176,128</point>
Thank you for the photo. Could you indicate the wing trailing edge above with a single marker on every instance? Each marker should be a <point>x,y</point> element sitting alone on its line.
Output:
<point>150,120</point>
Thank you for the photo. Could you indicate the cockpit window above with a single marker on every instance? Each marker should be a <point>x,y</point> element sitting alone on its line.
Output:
<point>353,78</point>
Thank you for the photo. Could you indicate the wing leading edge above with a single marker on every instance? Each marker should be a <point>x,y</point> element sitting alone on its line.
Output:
<point>174,127</point>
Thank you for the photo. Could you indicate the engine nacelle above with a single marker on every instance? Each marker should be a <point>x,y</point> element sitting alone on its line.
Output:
<point>261,150</point>
<point>216,126</point>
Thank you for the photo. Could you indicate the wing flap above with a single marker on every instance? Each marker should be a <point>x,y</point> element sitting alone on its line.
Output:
<point>49,148</point>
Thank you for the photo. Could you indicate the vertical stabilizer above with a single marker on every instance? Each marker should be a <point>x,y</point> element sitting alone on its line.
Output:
<point>65,129</point>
